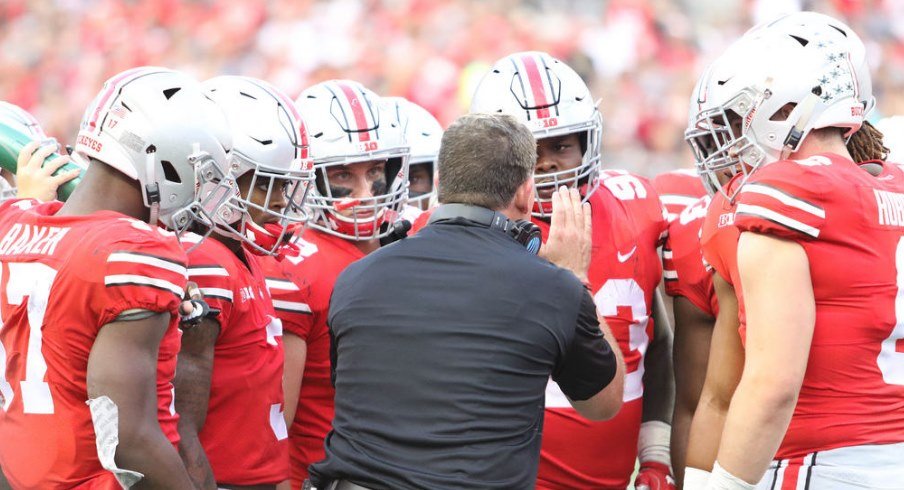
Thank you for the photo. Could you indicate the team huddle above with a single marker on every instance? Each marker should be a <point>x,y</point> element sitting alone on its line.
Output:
<point>166,325</point>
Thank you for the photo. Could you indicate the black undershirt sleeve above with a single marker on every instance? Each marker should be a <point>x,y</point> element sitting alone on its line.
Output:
<point>589,363</point>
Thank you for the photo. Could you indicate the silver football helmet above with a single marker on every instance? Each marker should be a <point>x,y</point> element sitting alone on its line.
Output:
<point>270,146</point>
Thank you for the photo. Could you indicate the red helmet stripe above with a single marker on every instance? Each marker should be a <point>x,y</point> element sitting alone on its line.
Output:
<point>114,85</point>
<point>357,110</point>
<point>536,85</point>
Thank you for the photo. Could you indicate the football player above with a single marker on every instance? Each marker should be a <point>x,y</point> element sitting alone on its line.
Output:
<point>91,290</point>
<point>625,270</point>
<point>690,284</point>
<point>229,376</point>
<point>794,98</point>
<point>719,236</point>
<point>361,167</point>
<point>423,134</point>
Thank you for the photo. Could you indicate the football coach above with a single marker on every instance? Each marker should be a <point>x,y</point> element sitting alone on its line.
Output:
<point>443,343</point>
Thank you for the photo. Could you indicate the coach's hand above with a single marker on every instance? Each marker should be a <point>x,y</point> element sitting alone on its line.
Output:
<point>570,233</point>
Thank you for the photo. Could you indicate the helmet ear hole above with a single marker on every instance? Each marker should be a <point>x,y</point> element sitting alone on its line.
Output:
<point>169,172</point>
<point>320,181</point>
<point>783,113</point>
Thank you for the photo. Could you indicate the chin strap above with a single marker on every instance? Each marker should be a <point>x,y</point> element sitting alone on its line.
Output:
<point>151,189</point>
<point>796,135</point>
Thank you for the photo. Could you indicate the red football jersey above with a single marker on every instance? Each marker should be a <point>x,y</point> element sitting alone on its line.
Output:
<point>719,242</point>
<point>624,273</point>
<point>303,306</point>
<point>678,189</point>
<point>851,225</point>
<point>62,279</point>
<point>420,221</point>
<point>244,434</point>
<point>683,271</point>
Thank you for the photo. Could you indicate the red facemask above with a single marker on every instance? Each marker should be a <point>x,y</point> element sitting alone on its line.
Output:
<point>268,238</point>
<point>366,229</point>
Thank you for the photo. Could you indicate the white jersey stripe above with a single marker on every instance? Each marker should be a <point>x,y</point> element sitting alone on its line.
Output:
<point>291,306</point>
<point>685,171</point>
<point>667,254</point>
<point>132,279</point>
<point>217,292</point>
<point>667,274</point>
<point>785,198</point>
<point>677,199</point>
<point>281,285</point>
<point>146,260</point>
<point>207,271</point>
<point>778,218</point>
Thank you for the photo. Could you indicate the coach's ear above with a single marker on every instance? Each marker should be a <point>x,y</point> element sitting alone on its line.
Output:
<point>523,202</point>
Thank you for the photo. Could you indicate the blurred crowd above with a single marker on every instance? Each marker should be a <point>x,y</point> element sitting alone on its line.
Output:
<point>640,57</point>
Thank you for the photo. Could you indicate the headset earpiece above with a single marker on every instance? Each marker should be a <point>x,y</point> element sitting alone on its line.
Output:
<point>526,233</point>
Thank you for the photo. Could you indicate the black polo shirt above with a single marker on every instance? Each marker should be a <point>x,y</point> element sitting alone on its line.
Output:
<point>443,344</point>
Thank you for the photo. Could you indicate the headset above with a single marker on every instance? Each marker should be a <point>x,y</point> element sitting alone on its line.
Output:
<point>522,231</point>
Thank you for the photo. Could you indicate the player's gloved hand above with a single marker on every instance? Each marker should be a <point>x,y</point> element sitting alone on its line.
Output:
<point>194,309</point>
<point>38,182</point>
<point>654,476</point>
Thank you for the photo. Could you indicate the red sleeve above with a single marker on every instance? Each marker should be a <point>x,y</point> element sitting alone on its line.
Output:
<point>290,299</point>
<point>420,222</point>
<point>140,271</point>
<point>207,267</point>
<point>784,199</point>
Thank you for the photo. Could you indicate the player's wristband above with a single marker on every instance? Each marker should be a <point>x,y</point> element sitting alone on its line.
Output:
<point>721,479</point>
<point>695,478</point>
<point>653,442</point>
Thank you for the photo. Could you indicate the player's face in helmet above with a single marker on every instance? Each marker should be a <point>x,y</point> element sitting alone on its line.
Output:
<point>362,180</point>
<point>274,193</point>
<point>420,182</point>
<point>709,145</point>
<point>556,154</point>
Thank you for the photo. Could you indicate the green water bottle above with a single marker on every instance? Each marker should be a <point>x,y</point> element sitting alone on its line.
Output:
<point>14,138</point>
